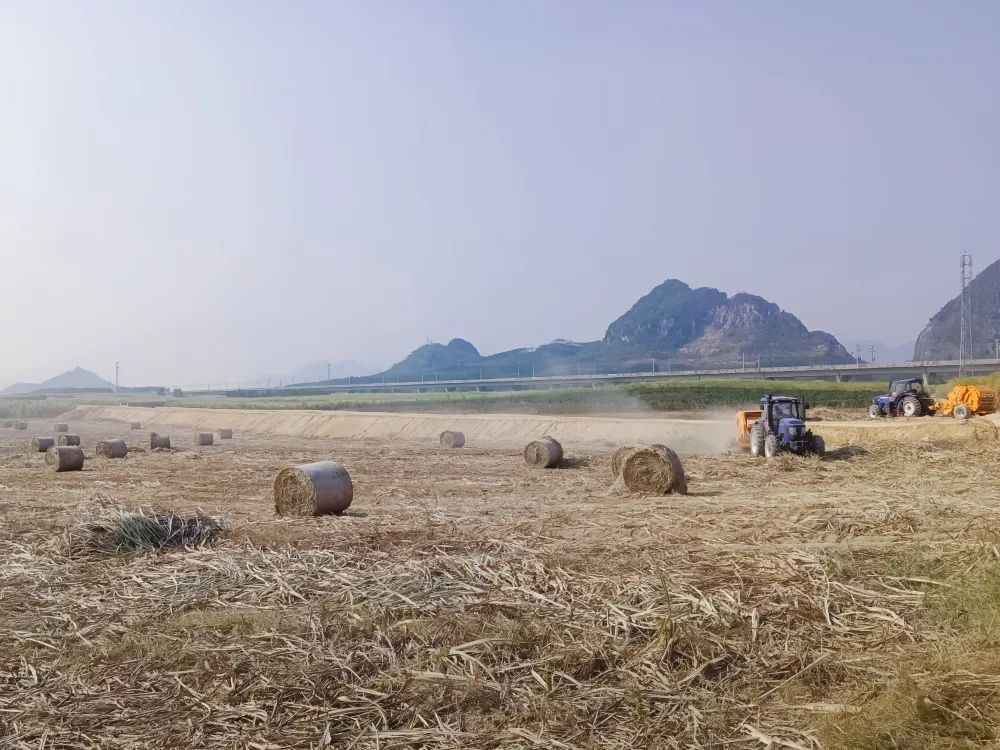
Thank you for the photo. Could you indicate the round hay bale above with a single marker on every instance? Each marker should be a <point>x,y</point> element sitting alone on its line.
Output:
<point>619,456</point>
<point>135,425</point>
<point>313,489</point>
<point>204,438</point>
<point>62,427</point>
<point>6,423</point>
<point>654,470</point>
<point>545,453</point>
<point>19,425</point>
<point>41,444</point>
<point>159,441</point>
<point>65,457</point>
<point>225,433</point>
<point>68,439</point>
<point>115,448</point>
<point>452,439</point>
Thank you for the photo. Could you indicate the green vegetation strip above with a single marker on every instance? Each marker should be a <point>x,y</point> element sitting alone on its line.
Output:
<point>656,396</point>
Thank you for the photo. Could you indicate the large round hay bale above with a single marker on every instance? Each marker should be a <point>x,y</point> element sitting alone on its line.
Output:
<point>41,444</point>
<point>545,453</point>
<point>313,489</point>
<point>20,425</point>
<point>6,423</point>
<point>159,441</point>
<point>135,425</point>
<point>62,427</point>
<point>618,459</point>
<point>204,438</point>
<point>225,433</point>
<point>654,470</point>
<point>452,439</point>
<point>68,438</point>
<point>114,448</point>
<point>65,457</point>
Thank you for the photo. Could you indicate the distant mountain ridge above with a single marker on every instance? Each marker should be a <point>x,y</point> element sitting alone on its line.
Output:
<point>941,336</point>
<point>76,379</point>
<point>672,326</point>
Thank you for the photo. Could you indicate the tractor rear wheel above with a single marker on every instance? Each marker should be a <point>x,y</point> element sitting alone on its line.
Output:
<point>818,445</point>
<point>770,446</point>
<point>756,441</point>
<point>961,411</point>
<point>875,411</point>
<point>911,407</point>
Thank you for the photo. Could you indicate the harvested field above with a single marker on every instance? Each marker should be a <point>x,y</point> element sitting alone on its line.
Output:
<point>465,600</point>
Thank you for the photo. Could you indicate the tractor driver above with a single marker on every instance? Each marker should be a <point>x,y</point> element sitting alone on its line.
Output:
<point>784,409</point>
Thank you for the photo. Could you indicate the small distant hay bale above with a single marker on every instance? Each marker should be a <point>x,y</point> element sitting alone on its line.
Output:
<point>314,489</point>
<point>68,438</point>
<point>145,531</point>
<point>452,439</point>
<point>225,433</point>
<point>65,457</point>
<point>654,470</point>
<point>41,444</point>
<point>6,423</point>
<point>545,453</point>
<point>135,425</point>
<point>20,425</point>
<point>618,459</point>
<point>62,427</point>
<point>159,441</point>
<point>115,448</point>
<point>204,438</point>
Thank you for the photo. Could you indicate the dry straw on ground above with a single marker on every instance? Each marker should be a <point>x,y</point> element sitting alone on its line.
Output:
<point>114,448</point>
<point>546,453</point>
<point>125,531</point>
<point>314,489</point>
<point>452,439</point>
<point>65,457</point>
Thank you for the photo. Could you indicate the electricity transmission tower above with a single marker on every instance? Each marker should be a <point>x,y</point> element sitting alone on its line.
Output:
<point>965,326</point>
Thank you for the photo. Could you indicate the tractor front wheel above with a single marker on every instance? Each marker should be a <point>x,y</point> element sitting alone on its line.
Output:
<point>961,411</point>
<point>756,440</point>
<point>911,407</point>
<point>770,446</point>
<point>875,411</point>
<point>818,445</point>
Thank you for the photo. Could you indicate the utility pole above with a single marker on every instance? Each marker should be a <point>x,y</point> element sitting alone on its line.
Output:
<point>873,352</point>
<point>857,353</point>
<point>116,376</point>
<point>744,354</point>
<point>327,370</point>
<point>965,332</point>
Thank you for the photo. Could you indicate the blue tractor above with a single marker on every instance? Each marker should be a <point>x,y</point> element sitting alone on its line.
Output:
<point>782,427</point>
<point>906,398</point>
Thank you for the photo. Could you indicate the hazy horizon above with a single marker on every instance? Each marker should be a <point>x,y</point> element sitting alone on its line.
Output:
<point>207,192</point>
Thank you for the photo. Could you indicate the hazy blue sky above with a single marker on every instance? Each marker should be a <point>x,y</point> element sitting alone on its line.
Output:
<point>207,190</point>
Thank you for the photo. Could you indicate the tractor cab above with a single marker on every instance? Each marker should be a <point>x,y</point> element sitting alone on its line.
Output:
<point>782,414</point>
